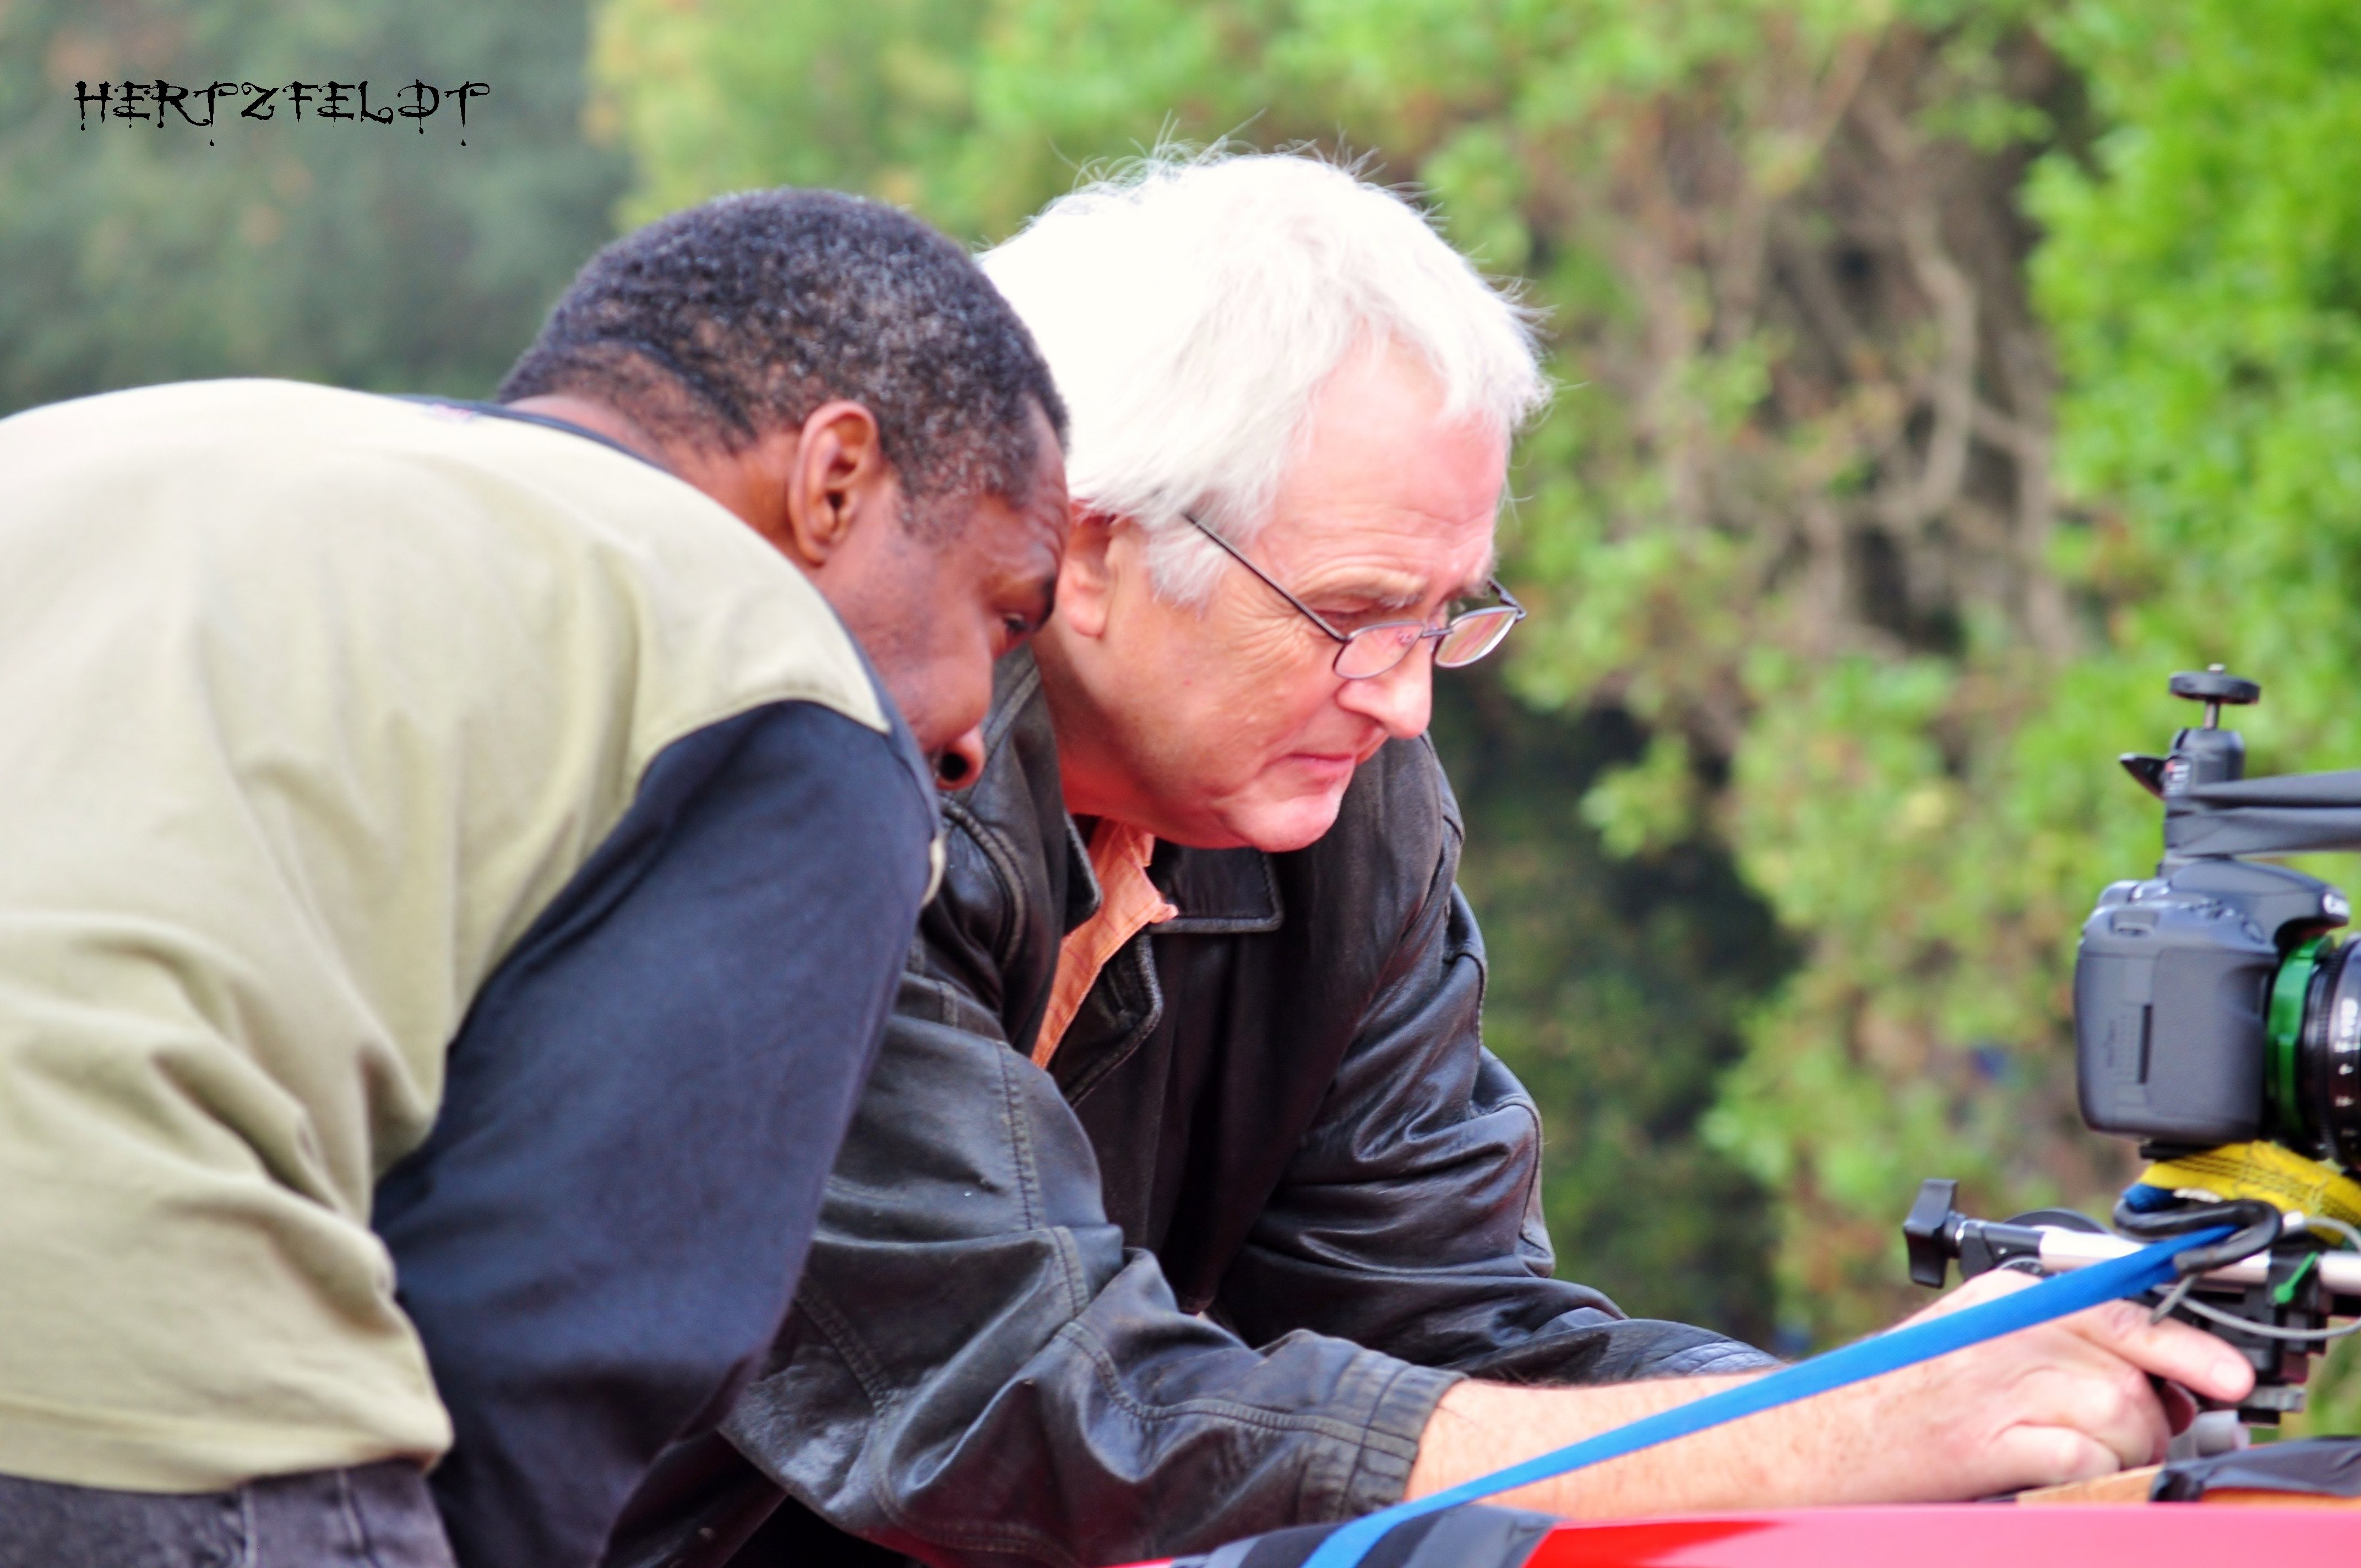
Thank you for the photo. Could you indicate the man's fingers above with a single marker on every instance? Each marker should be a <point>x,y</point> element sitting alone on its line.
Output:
<point>2051,1456</point>
<point>2172,1351</point>
<point>2114,1404</point>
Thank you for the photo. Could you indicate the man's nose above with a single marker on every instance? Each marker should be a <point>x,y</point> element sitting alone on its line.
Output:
<point>1401,700</point>
<point>958,764</point>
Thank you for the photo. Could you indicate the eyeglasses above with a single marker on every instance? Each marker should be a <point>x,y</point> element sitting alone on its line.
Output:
<point>1371,651</point>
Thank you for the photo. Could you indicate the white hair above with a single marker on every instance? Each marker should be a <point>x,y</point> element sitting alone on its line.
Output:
<point>1192,308</point>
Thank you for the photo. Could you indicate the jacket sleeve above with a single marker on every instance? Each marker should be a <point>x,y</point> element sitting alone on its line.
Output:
<point>1460,1278</point>
<point>977,1372</point>
<point>701,999</point>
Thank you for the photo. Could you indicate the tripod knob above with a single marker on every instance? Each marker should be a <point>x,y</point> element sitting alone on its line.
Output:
<point>1932,1233</point>
<point>2207,754</point>
<point>2213,686</point>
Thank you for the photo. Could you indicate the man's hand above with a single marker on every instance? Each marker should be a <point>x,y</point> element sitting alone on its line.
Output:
<point>2064,1401</point>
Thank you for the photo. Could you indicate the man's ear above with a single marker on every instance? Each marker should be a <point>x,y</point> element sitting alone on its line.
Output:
<point>1086,577</point>
<point>839,478</point>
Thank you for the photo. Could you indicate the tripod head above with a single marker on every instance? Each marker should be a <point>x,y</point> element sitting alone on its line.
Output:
<point>2212,810</point>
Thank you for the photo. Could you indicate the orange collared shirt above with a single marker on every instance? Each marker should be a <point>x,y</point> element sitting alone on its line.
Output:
<point>1128,903</point>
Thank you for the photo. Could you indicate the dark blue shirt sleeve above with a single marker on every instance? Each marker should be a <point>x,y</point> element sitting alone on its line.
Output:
<point>606,1225</point>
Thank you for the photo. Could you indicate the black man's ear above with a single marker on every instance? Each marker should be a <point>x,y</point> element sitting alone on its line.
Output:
<point>839,467</point>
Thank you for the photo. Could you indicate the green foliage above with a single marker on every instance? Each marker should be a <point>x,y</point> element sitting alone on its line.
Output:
<point>861,97</point>
<point>2204,278</point>
<point>364,255</point>
<point>1651,804</point>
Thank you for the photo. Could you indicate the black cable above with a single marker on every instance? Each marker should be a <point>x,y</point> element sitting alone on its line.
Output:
<point>2258,1226</point>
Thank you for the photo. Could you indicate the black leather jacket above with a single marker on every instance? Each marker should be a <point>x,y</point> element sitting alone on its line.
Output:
<point>1025,1332</point>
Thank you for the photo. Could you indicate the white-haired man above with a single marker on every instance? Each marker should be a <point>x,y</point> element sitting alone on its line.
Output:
<point>1185,1202</point>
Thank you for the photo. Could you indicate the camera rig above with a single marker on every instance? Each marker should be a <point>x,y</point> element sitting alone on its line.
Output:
<point>2273,1305</point>
<point>2218,1021</point>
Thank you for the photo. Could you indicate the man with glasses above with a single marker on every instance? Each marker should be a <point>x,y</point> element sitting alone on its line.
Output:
<point>1185,1202</point>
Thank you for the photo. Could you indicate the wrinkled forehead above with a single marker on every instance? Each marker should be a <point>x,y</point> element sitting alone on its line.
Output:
<point>1409,504</point>
<point>1397,561</point>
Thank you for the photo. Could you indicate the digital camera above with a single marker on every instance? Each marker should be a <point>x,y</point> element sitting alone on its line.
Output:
<point>2213,1002</point>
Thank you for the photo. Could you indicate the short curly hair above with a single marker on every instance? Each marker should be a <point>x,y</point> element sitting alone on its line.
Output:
<point>719,324</point>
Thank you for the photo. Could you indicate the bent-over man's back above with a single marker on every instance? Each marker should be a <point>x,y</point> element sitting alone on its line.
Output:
<point>339,728</point>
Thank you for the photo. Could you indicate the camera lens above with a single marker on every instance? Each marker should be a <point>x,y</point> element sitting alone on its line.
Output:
<point>2324,1072</point>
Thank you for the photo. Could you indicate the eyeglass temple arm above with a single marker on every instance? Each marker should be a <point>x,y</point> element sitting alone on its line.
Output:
<point>1231,550</point>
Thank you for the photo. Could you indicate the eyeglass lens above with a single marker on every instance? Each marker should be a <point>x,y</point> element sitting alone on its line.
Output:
<point>1374,650</point>
<point>1472,636</point>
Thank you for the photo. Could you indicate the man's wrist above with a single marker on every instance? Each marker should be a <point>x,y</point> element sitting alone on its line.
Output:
<point>1395,1427</point>
<point>1479,1428</point>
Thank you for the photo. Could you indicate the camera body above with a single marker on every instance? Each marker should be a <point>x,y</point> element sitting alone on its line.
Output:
<point>2212,1003</point>
<point>2173,990</point>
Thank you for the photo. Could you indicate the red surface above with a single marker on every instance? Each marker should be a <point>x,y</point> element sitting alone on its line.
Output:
<point>1985,1536</point>
<point>2164,1535</point>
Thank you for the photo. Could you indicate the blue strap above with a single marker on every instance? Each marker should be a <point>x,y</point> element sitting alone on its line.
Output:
<point>1890,1351</point>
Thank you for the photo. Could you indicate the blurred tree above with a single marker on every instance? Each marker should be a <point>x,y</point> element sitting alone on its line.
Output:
<point>367,254</point>
<point>744,93</point>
